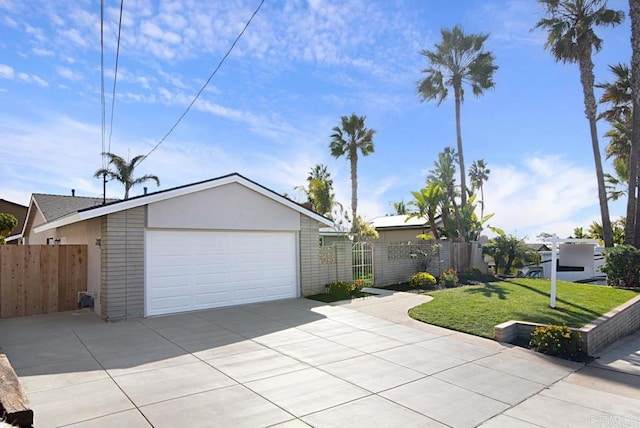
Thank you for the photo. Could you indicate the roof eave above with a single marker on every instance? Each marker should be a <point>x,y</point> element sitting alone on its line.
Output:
<point>100,211</point>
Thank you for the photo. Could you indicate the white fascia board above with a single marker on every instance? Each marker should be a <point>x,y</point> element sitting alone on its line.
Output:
<point>161,196</point>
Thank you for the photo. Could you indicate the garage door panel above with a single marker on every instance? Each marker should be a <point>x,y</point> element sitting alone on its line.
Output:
<point>174,304</point>
<point>188,270</point>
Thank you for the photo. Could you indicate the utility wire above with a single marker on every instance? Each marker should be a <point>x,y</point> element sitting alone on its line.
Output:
<point>205,84</point>
<point>102,102</point>
<point>115,76</point>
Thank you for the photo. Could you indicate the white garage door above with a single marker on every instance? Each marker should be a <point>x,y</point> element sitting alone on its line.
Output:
<point>189,270</point>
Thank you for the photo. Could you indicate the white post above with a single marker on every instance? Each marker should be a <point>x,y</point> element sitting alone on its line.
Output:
<point>554,268</point>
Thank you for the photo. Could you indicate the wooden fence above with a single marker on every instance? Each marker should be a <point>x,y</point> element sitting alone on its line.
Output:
<point>41,279</point>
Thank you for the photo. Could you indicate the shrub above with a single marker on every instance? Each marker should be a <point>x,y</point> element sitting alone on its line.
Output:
<point>622,266</point>
<point>449,278</point>
<point>343,289</point>
<point>473,272</point>
<point>556,340</point>
<point>422,280</point>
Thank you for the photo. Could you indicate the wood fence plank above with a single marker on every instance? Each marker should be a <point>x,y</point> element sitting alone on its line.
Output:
<point>63,277</point>
<point>38,279</point>
<point>33,284</point>
<point>49,278</point>
<point>79,272</point>
<point>5,281</point>
<point>18,262</point>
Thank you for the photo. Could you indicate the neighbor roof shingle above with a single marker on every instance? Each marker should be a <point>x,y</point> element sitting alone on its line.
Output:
<point>56,206</point>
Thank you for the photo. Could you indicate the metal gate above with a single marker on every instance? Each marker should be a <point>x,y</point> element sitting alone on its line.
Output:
<point>362,256</point>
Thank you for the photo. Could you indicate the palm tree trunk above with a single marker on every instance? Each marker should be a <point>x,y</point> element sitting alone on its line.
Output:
<point>587,80</point>
<point>633,210</point>
<point>482,201</point>
<point>463,172</point>
<point>432,225</point>
<point>353,157</point>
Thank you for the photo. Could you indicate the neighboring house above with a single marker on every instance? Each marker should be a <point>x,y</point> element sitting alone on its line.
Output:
<point>45,208</point>
<point>538,247</point>
<point>401,228</point>
<point>16,210</point>
<point>219,242</point>
<point>329,235</point>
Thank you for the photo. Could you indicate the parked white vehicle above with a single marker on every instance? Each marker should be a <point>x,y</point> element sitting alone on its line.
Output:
<point>577,262</point>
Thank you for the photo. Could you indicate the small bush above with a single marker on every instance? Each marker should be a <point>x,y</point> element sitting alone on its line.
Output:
<point>422,280</point>
<point>449,278</point>
<point>622,266</point>
<point>473,272</point>
<point>343,289</point>
<point>556,340</point>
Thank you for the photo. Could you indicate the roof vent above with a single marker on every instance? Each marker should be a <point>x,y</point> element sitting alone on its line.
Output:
<point>73,192</point>
<point>145,190</point>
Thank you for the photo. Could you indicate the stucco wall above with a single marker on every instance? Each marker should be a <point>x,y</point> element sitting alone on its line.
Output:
<point>399,235</point>
<point>38,238</point>
<point>86,232</point>
<point>122,264</point>
<point>230,207</point>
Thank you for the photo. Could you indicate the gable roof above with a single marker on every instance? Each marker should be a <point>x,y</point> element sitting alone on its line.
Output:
<point>137,201</point>
<point>56,206</point>
<point>53,207</point>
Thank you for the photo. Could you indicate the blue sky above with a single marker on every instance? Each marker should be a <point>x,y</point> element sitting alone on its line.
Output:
<point>269,111</point>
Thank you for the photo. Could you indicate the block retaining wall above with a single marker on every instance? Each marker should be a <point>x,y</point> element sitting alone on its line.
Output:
<point>595,336</point>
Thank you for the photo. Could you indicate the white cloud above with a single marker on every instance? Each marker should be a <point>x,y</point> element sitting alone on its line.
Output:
<point>6,72</point>
<point>542,194</point>
<point>68,73</point>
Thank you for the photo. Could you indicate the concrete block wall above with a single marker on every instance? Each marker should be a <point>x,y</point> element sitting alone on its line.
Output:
<point>122,264</point>
<point>595,337</point>
<point>621,321</point>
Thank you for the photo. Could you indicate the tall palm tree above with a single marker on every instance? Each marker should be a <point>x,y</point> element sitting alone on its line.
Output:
<point>571,38</point>
<point>459,59</point>
<point>349,139</point>
<point>633,210</point>
<point>123,172</point>
<point>478,175</point>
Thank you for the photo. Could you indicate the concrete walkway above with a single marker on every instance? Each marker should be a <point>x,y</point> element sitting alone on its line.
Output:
<point>298,363</point>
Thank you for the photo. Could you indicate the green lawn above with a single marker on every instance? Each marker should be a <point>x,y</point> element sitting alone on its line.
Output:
<point>477,309</point>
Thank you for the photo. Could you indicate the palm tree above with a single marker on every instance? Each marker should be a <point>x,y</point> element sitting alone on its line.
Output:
<point>459,59</point>
<point>319,190</point>
<point>349,138</point>
<point>618,94</point>
<point>571,39</point>
<point>444,173</point>
<point>633,210</point>
<point>427,201</point>
<point>619,147</point>
<point>478,175</point>
<point>400,208</point>
<point>123,172</point>
<point>618,185</point>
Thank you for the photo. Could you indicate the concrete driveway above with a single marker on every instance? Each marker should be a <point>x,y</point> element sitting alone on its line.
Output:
<point>297,363</point>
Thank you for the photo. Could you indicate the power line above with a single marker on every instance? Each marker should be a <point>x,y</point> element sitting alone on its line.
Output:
<point>205,84</point>
<point>102,101</point>
<point>115,76</point>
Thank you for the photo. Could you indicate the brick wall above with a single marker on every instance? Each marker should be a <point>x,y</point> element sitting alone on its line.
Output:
<point>122,264</point>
